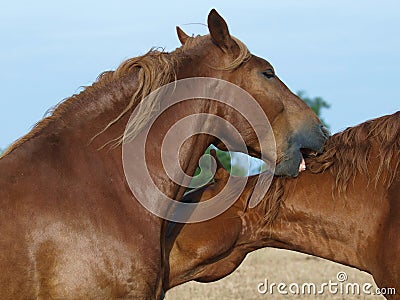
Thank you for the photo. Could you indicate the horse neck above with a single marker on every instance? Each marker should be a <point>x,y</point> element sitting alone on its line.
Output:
<point>315,220</point>
<point>81,116</point>
<point>77,120</point>
<point>189,153</point>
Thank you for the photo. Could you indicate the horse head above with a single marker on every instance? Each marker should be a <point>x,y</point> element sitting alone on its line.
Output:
<point>296,128</point>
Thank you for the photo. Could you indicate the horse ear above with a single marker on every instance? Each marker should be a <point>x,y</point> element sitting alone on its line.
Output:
<point>219,31</point>
<point>182,36</point>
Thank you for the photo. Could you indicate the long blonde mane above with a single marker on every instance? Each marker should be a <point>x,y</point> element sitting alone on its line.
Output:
<point>154,69</point>
<point>158,69</point>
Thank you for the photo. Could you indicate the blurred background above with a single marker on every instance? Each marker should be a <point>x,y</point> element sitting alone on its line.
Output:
<point>345,52</point>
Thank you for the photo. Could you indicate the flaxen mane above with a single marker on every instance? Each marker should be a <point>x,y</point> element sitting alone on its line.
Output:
<point>152,79</point>
<point>155,69</point>
<point>348,153</point>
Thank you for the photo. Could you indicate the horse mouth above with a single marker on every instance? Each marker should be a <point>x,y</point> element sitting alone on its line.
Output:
<point>306,153</point>
<point>309,153</point>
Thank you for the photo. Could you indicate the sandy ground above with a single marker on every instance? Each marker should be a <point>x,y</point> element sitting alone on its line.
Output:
<point>277,266</point>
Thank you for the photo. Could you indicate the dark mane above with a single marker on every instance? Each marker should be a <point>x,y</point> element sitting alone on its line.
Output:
<point>349,152</point>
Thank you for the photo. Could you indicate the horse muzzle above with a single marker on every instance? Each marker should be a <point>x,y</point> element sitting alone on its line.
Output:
<point>305,143</point>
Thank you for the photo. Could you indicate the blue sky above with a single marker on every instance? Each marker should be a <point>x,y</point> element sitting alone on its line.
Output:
<point>348,52</point>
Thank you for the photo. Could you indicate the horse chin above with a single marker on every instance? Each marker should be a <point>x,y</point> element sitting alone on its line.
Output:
<point>288,168</point>
<point>296,163</point>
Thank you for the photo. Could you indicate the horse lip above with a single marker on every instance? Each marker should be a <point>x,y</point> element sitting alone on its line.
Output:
<point>307,152</point>
<point>294,156</point>
<point>313,150</point>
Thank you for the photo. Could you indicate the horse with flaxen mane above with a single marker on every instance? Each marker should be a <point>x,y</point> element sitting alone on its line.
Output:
<point>69,224</point>
<point>345,208</point>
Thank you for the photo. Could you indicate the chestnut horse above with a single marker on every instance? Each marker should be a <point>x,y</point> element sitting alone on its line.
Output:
<point>69,224</point>
<point>345,208</point>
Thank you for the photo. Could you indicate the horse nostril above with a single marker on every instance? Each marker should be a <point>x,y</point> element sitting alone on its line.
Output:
<point>324,130</point>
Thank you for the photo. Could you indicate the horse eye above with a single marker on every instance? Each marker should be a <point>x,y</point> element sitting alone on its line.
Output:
<point>269,74</point>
